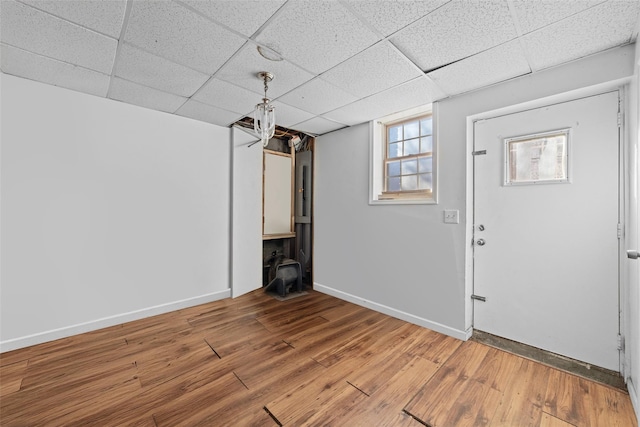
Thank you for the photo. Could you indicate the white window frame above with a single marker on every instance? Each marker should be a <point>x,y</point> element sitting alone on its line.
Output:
<point>539,135</point>
<point>377,129</point>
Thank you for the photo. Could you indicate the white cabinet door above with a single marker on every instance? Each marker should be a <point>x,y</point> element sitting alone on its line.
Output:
<point>278,198</point>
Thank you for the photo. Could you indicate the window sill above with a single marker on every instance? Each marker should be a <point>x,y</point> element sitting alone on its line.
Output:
<point>404,201</point>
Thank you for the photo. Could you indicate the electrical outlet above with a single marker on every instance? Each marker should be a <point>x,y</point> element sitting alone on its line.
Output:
<point>451,216</point>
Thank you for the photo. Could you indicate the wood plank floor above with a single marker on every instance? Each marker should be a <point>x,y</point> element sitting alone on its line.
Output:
<point>313,360</point>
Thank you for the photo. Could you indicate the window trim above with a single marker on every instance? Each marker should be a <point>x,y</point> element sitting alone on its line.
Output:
<point>377,156</point>
<point>538,135</point>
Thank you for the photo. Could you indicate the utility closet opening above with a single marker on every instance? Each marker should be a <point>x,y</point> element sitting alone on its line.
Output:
<point>287,206</point>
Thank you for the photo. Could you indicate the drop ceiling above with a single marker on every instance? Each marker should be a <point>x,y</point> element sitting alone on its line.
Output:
<point>339,62</point>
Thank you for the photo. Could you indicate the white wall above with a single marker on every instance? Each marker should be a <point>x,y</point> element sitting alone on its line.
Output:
<point>632,312</point>
<point>403,260</point>
<point>109,212</point>
<point>247,213</point>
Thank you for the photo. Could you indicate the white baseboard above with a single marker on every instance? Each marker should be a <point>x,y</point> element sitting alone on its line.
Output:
<point>390,311</point>
<point>633,395</point>
<point>105,322</point>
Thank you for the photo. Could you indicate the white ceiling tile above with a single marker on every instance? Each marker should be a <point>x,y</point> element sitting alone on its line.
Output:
<point>486,68</point>
<point>537,14</point>
<point>243,68</point>
<point>287,116</point>
<point>208,113</point>
<point>317,34</point>
<point>358,112</point>
<point>415,93</point>
<point>172,31</point>
<point>601,27</point>
<point>39,32</point>
<point>31,66</point>
<point>378,68</point>
<point>104,16</point>
<point>455,31</point>
<point>243,16</point>
<point>230,97</point>
<point>244,136</point>
<point>317,96</point>
<point>318,126</point>
<point>149,70</point>
<point>390,16</point>
<point>132,93</point>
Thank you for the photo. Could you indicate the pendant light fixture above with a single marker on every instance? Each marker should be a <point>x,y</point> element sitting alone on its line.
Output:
<point>264,117</point>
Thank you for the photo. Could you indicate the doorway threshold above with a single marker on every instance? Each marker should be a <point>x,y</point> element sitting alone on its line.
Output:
<point>576,367</point>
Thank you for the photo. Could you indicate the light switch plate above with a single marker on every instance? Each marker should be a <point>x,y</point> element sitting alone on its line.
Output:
<point>451,216</point>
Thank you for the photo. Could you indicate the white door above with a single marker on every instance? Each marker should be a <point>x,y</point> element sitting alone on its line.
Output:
<point>545,228</point>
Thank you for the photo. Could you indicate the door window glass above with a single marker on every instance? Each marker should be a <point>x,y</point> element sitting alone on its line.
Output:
<point>538,158</point>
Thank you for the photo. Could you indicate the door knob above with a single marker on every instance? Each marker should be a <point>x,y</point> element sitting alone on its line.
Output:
<point>632,254</point>
<point>480,242</point>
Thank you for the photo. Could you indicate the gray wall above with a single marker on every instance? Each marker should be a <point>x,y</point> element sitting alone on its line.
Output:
<point>403,260</point>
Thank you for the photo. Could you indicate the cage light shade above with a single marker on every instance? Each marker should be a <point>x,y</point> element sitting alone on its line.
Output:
<point>264,121</point>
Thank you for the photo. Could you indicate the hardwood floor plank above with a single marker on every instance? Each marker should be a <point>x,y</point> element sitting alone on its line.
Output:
<point>229,337</point>
<point>565,398</point>
<point>149,399</point>
<point>313,360</point>
<point>77,366</point>
<point>298,327</point>
<point>341,309</point>
<point>254,417</point>
<point>385,404</point>
<point>551,421</point>
<point>293,311</point>
<point>11,377</point>
<point>274,362</point>
<point>582,402</point>
<point>65,401</point>
<point>15,356</point>
<point>298,406</point>
<point>333,407</point>
<point>475,407</point>
<point>360,341</point>
<point>435,400</point>
<point>169,363</point>
<point>432,345</point>
<point>611,406</point>
<point>295,374</point>
<point>202,405</point>
<point>374,373</point>
<point>523,397</point>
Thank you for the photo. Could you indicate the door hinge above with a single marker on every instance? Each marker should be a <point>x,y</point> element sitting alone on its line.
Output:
<point>479,152</point>
<point>620,342</point>
<point>479,298</point>
<point>620,230</point>
<point>620,119</point>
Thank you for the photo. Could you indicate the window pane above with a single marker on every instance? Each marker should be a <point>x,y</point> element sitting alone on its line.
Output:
<point>426,144</point>
<point>395,133</point>
<point>424,181</point>
<point>395,150</point>
<point>537,159</point>
<point>411,147</point>
<point>409,183</point>
<point>393,168</point>
<point>426,126</point>
<point>411,130</point>
<point>393,184</point>
<point>425,164</point>
<point>409,167</point>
